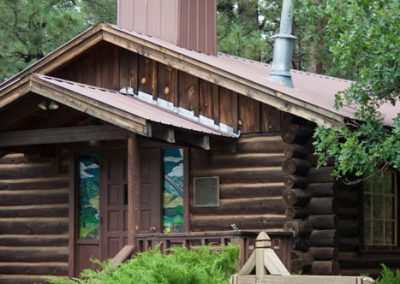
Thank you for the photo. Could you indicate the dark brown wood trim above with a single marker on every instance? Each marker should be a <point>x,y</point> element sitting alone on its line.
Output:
<point>187,187</point>
<point>133,188</point>
<point>62,135</point>
<point>72,214</point>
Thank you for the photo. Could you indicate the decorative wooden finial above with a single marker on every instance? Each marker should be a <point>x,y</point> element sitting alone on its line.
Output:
<point>263,240</point>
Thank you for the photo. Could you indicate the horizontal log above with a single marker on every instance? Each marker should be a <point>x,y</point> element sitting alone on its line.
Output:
<point>324,268</point>
<point>266,144</point>
<point>321,175</point>
<point>296,197</point>
<point>296,134</point>
<point>62,135</point>
<point>243,222</point>
<point>295,166</point>
<point>20,240</point>
<point>38,268</point>
<point>33,254</point>
<point>44,210</point>
<point>263,205</point>
<point>296,212</point>
<point>24,197</point>
<point>296,151</point>
<point>323,238</point>
<point>248,173</point>
<point>241,190</point>
<point>321,206</point>
<point>301,262</point>
<point>51,225</point>
<point>293,181</point>
<point>247,159</point>
<point>323,253</point>
<point>34,183</point>
<point>19,171</point>
<point>323,222</point>
<point>22,279</point>
<point>22,159</point>
<point>298,227</point>
<point>321,189</point>
<point>348,199</point>
<point>348,228</point>
<point>349,244</point>
<point>356,260</point>
<point>352,213</point>
<point>301,244</point>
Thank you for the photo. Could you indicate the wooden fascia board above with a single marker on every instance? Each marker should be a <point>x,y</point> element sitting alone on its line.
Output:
<point>62,135</point>
<point>59,56</point>
<point>92,107</point>
<point>222,77</point>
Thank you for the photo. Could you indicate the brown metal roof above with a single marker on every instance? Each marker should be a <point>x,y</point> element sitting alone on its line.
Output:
<point>314,89</point>
<point>134,106</point>
<point>312,94</point>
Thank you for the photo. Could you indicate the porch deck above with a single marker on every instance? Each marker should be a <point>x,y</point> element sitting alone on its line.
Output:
<point>281,241</point>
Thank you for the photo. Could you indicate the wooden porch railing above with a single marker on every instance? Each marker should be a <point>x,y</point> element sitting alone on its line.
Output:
<point>281,241</point>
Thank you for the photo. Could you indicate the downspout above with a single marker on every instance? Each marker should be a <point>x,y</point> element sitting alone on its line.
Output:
<point>283,47</point>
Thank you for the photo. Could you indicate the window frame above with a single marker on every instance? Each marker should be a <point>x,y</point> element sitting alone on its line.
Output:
<point>395,248</point>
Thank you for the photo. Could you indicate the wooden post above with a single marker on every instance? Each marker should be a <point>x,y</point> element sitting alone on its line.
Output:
<point>263,241</point>
<point>133,189</point>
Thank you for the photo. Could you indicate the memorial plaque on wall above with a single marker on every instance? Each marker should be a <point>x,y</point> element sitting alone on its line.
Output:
<point>206,191</point>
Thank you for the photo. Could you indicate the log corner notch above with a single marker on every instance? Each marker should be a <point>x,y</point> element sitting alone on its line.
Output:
<point>296,135</point>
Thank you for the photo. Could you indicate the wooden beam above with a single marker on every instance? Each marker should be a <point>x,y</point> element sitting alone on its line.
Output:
<point>162,132</point>
<point>134,195</point>
<point>197,140</point>
<point>90,106</point>
<point>19,112</point>
<point>61,135</point>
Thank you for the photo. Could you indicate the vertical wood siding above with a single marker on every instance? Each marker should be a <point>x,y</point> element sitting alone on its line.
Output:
<point>114,68</point>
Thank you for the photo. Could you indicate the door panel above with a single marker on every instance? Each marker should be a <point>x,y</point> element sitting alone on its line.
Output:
<point>150,190</point>
<point>114,203</point>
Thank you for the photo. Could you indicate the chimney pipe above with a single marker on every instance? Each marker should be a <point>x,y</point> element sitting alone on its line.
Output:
<point>283,47</point>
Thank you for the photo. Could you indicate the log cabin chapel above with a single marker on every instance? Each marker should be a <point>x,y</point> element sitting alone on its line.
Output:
<point>142,133</point>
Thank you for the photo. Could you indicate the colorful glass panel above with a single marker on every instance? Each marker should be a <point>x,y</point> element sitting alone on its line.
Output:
<point>89,190</point>
<point>173,190</point>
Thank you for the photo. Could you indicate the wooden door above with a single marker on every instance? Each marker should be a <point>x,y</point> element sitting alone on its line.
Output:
<point>150,190</point>
<point>114,203</point>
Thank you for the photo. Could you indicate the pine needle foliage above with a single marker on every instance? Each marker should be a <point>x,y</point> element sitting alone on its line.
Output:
<point>181,266</point>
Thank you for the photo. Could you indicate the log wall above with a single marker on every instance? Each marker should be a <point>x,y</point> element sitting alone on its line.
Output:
<point>251,185</point>
<point>33,219</point>
<point>114,68</point>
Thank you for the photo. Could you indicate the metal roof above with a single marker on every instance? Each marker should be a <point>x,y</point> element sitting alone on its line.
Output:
<point>314,89</point>
<point>138,107</point>
<point>311,93</point>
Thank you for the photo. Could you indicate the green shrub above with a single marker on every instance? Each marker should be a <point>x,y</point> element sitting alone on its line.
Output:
<point>388,276</point>
<point>200,266</point>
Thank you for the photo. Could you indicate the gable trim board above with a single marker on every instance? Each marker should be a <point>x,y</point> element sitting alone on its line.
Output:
<point>274,94</point>
<point>127,112</point>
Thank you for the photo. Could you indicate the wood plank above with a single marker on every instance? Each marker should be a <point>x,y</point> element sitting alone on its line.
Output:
<point>301,279</point>
<point>148,76</point>
<point>188,92</point>
<point>249,115</point>
<point>61,135</point>
<point>228,107</point>
<point>271,119</point>
<point>273,264</point>
<point>209,100</point>
<point>128,70</point>
<point>122,256</point>
<point>167,83</point>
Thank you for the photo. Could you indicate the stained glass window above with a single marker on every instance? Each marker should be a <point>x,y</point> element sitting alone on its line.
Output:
<point>89,189</point>
<point>380,210</point>
<point>173,190</point>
